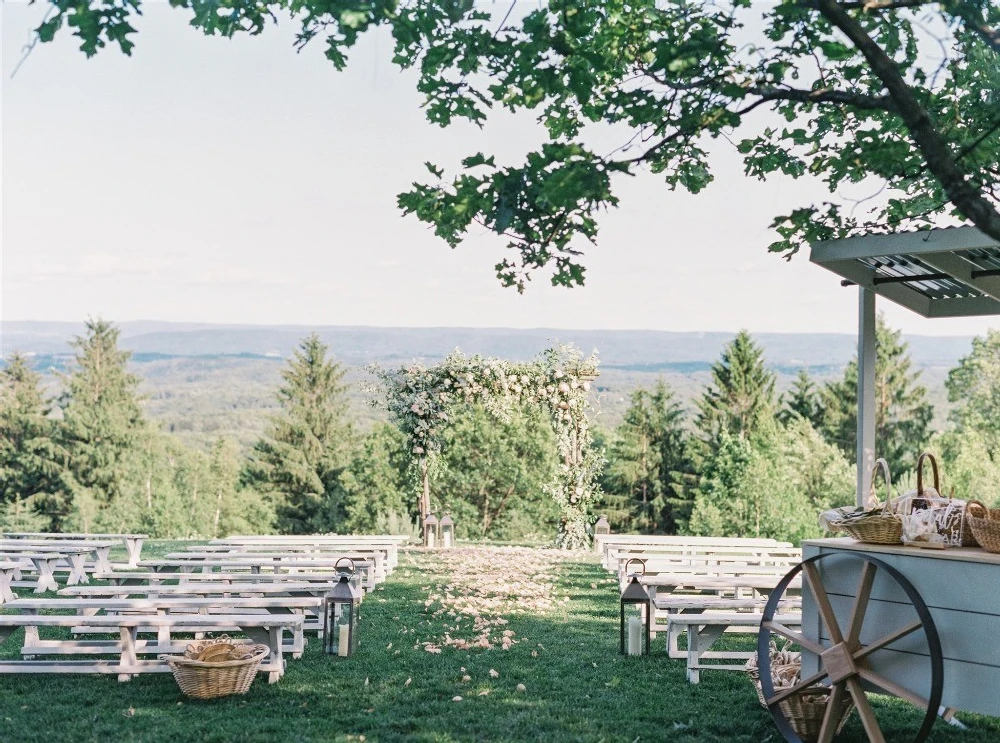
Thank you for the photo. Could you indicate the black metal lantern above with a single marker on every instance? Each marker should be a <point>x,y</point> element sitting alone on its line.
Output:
<point>340,621</point>
<point>447,532</point>
<point>430,530</point>
<point>602,526</point>
<point>353,576</point>
<point>636,615</point>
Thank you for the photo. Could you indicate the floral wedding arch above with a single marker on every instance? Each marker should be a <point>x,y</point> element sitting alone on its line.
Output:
<point>420,399</point>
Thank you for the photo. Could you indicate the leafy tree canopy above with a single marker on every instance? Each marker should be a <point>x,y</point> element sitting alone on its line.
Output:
<point>897,95</point>
<point>975,386</point>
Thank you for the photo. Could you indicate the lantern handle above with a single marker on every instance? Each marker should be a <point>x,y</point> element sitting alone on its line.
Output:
<point>638,560</point>
<point>354,567</point>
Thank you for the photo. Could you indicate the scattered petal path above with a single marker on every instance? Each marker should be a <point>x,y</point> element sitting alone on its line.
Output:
<point>476,589</point>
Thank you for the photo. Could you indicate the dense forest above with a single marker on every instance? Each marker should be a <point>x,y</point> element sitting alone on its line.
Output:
<point>743,459</point>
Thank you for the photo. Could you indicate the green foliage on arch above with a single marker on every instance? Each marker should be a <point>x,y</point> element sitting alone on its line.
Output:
<point>421,400</point>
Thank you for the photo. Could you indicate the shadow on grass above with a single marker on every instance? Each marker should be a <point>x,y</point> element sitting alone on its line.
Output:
<point>577,687</point>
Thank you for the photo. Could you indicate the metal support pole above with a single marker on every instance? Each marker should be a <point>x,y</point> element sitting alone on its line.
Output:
<point>866,391</point>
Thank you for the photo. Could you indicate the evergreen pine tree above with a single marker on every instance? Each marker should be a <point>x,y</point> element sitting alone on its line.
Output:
<point>902,411</point>
<point>33,478</point>
<point>648,460</point>
<point>741,393</point>
<point>102,420</point>
<point>300,459</point>
<point>801,401</point>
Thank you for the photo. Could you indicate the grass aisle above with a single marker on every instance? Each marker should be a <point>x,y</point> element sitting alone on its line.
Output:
<point>434,633</point>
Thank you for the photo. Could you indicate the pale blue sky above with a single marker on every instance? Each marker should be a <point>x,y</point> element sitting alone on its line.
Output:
<point>237,181</point>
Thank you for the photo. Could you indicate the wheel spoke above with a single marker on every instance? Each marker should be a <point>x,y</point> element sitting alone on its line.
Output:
<point>823,603</point>
<point>796,637</point>
<point>831,718</point>
<point>792,690</point>
<point>892,687</point>
<point>860,607</point>
<point>865,711</point>
<point>887,640</point>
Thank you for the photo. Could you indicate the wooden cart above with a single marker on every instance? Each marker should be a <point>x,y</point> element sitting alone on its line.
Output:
<point>917,624</point>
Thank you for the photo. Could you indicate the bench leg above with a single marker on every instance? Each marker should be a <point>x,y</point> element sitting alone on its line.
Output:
<point>6,594</point>
<point>46,580</point>
<point>133,547</point>
<point>77,570</point>
<point>128,655</point>
<point>273,638</point>
<point>699,641</point>
<point>101,561</point>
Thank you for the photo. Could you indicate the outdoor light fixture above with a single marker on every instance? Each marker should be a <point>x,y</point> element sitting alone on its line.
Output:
<point>430,530</point>
<point>353,576</point>
<point>602,526</point>
<point>636,614</point>
<point>340,620</point>
<point>447,532</point>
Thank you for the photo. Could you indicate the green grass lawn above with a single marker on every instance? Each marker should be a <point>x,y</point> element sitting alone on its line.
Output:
<point>576,686</point>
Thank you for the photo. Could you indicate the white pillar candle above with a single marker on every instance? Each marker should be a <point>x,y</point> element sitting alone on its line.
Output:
<point>430,538</point>
<point>634,636</point>
<point>447,539</point>
<point>343,639</point>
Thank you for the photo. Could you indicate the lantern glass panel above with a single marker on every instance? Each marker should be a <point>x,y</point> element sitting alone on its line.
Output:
<point>430,530</point>
<point>447,532</point>
<point>636,618</point>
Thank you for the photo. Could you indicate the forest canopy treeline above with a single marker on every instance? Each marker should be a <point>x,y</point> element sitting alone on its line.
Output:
<point>743,461</point>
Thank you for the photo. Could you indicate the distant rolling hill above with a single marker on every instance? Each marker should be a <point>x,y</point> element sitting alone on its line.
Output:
<point>641,350</point>
<point>205,380</point>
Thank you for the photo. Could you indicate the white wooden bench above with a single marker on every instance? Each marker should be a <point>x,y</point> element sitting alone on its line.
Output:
<point>260,567</point>
<point>43,564</point>
<point>132,542</point>
<point>139,578</point>
<point>370,565</point>
<point>266,629</point>
<point>376,557</point>
<point>606,542</point>
<point>667,607</point>
<point>390,542</point>
<point>98,549</point>
<point>311,607</point>
<point>704,629</point>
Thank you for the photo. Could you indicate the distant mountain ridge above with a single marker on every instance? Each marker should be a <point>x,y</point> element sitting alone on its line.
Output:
<point>638,350</point>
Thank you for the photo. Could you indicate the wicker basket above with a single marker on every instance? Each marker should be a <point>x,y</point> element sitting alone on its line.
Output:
<point>880,525</point>
<point>954,525</point>
<point>985,525</point>
<point>804,711</point>
<point>216,668</point>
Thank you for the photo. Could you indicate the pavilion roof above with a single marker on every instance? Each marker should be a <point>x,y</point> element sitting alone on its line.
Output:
<point>949,272</point>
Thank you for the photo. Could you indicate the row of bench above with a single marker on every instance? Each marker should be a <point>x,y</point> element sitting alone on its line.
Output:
<point>703,587</point>
<point>272,589</point>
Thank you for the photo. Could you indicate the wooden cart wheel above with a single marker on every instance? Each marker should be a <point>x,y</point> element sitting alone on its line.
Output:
<point>843,658</point>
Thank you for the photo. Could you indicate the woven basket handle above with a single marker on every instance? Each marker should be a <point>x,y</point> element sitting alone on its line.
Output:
<point>882,466</point>
<point>977,505</point>
<point>638,560</point>
<point>920,473</point>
